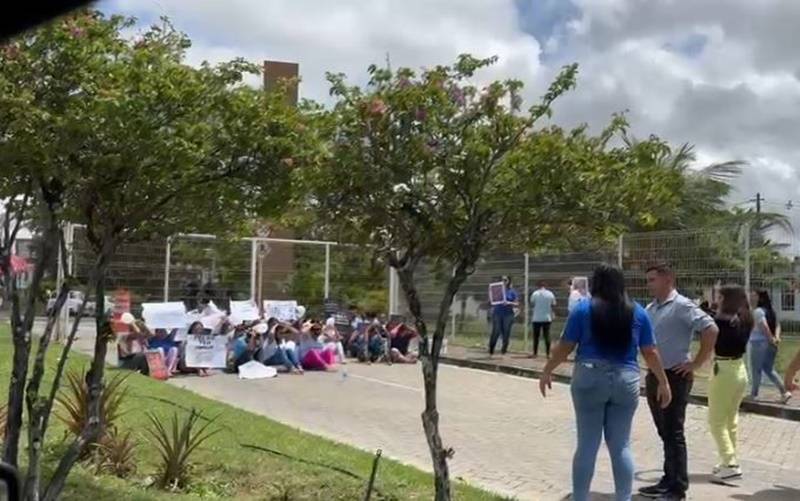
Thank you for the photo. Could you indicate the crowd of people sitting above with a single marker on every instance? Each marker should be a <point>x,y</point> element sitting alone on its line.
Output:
<point>291,347</point>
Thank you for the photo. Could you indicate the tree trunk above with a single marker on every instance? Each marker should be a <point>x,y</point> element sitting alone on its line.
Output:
<point>39,408</point>
<point>430,368</point>
<point>21,326</point>
<point>94,381</point>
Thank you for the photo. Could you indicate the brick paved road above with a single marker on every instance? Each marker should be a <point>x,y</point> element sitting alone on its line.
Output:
<point>507,438</point>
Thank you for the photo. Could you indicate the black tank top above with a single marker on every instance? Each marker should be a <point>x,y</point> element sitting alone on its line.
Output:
<point>732,339</point>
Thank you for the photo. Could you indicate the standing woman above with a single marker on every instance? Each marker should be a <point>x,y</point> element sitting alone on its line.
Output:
<point>609,331</point>
<point>503,318</point>
<point>729,378</point>
<point>764,341</point>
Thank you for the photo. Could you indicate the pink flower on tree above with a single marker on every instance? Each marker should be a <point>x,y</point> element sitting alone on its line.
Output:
<point>377,107</point>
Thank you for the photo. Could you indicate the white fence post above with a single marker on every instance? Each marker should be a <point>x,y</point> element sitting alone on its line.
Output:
<point>620,250</point>
<point>392,291</point>
<point>526,299</point>
<point>253,268</point>
<point>167,265</point>
<point>327,292</point>
<point>69,236</point>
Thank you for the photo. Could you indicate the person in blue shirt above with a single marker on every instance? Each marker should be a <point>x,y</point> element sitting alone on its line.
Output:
<point>503,318</point>
<point>609,331</point>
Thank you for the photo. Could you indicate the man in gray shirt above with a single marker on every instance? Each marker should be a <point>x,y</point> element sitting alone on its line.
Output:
<point>675,320</point>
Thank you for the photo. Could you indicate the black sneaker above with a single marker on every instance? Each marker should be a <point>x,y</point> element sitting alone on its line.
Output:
<point>671,497</point>
<point>654,491</point>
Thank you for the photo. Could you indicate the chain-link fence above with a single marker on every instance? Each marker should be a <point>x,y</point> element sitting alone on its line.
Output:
<point>184,266</point>
<point>702,259</point>
<point>187,267</point>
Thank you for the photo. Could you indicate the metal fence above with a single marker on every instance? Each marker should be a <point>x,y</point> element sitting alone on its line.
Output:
<point>702,259</point>
<point>183,267</point>
<point>311,271</point>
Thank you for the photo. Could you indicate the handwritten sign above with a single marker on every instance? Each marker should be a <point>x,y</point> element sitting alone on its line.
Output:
<point>206,352</point>
<point>164,315</point>
<point>285,311</point>
<point>155,362</point>
<point>497,293</point>
<point>244,311</point>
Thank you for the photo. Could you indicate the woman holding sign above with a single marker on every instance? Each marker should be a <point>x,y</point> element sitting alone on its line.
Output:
<point>503,315</point>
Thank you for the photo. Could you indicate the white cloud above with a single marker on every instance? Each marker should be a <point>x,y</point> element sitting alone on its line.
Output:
<point>734,91</point>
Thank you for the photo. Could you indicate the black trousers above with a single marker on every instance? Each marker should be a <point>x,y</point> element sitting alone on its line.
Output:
<point>541,328</point>
<point>670,425</point>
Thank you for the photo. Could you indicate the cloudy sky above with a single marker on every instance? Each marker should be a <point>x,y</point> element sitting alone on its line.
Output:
<point>721,74</point>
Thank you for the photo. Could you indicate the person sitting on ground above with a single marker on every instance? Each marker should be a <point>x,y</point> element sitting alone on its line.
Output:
<point>312,354</point>
<point>332,341</point>
<point>401,336</point>
<point>196,328</point>
<point>247,347</point>
<point>274,350</point>
<point>131,346</point>
<point>369,346</point>
<point>165,343</point>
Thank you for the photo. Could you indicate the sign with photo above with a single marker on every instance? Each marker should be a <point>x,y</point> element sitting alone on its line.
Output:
<point>497,293</point>
<point>206,352</point>
<point>285,311</point>
<point>156,365</point>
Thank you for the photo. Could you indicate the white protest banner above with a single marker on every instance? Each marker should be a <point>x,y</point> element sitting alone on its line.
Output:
<point>244,311</point>
<point>212,321</point>
<point>164,315</point>
<point>206,352</point>
<point>256,370</point>
<point>285,311</point>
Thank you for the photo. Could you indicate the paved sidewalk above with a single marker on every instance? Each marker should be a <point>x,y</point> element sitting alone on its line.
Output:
<point>507,438</point>
<point>521,364</point>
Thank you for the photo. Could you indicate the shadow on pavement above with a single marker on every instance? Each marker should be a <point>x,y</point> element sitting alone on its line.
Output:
<point>777,493</point>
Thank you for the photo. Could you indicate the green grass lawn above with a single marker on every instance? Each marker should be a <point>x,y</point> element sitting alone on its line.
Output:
<point>223,468</point>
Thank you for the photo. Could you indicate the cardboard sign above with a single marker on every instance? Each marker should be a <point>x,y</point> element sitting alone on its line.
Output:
<point>206,352</point>
<point>164,315</point>
<point>497,293</point>
<point>285,311</point>
<point>155,362</point>
<point>244,311</point>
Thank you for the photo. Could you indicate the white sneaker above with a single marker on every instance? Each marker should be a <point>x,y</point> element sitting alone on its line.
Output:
<point>786,397</point>
<point>728,472</point>
<point>716,469</point>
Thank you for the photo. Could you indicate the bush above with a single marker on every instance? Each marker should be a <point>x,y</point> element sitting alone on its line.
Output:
<point>116,453</point>
<point>74,403</point>
<point>176,444</point>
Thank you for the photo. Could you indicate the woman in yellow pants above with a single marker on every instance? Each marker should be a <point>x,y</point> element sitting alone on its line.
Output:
<point>729,379</point>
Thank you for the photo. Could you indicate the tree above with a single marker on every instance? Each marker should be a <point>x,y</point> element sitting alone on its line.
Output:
<point>430,168</point>
<point>139,146</point>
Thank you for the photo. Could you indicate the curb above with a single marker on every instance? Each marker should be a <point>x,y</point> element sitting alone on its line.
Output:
<point>760,408</point>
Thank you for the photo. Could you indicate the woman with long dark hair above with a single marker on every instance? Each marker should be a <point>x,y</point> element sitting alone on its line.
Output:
<point>764,341</point>
<point>609,331</point>
<point>729,378</point>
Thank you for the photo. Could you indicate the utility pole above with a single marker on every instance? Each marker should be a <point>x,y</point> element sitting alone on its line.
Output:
<point>758,203</point>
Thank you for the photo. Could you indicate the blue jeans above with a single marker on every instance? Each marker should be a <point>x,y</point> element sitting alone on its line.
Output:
<point>605,398</point>
<point>284,357</point>
<point>762,361</point>
<point>501,327</point>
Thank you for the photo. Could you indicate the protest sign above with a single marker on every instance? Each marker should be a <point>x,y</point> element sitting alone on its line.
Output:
<point>256,370</point>
<point>164,315</point>
<point>497,293</point>
<point>212,321</point>
<point>155,362</point>
<point>285,311</point>
<point>206,352</point>
<point>180,335</point>
<point>244,311</point>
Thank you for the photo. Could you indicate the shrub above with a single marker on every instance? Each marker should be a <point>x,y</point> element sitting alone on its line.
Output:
<point>175,444</point>
<point>116,453</point>
<point>74,403</point>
